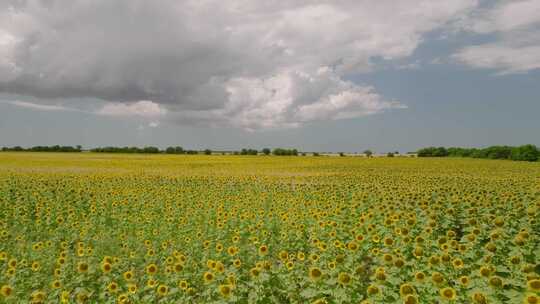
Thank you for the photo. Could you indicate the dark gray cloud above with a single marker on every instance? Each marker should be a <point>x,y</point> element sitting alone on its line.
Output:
<point>248,64</point>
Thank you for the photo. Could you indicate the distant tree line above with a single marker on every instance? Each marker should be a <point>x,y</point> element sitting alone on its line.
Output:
<point>149,150</point>
<point>520,153</point>
<point>249,152</point>
<point>153,150</point>
<point>55,148</point>
<point>285,152</point>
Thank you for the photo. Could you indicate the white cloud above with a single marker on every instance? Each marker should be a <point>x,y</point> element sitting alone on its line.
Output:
<point>508,59</point>
<point>143,108</point>
<point>243,63</point>
<point>39,107</point>
<point>516,24</point>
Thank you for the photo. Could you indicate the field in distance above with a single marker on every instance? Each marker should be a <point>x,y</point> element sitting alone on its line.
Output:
<point>115,228</point>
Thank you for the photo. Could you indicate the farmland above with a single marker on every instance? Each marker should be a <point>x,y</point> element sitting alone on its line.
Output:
<point>103,228</point>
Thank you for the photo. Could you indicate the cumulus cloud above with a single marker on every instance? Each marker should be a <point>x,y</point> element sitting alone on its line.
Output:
<point>516,24</point>
<point>242,63</point>
<point>143,108</point>
<point>39,107</point>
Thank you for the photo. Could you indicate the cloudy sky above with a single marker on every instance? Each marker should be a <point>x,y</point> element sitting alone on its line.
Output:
<point>336,75</point>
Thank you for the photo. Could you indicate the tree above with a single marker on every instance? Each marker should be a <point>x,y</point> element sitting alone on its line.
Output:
<point>341,154</point>
<point>249,152</point>
<point>151,150</point>
<point>432,152</point>
<point>368,153</point>
<point>266,151</point>
<point>525,153</point>
<point>390,154</point>
<point>207,152</point>
<point>285,152</point>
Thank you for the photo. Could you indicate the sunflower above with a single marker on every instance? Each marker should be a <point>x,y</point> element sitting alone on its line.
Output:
<point>448,293</point>
<point>183,284</point>
<point>151,269</point>
<point>128,275</point>
<point>344,278</point>
<point>231,280</point>
<point>495,281</point>
<point>485,271</point>
<point>208,277</point>
<point>406,289</point>
<point>399,263</point>
<point>434,260</point>
<point>263,250</point>
<point>534,285</point>
<point>464,280</point>
<point>112,287</point>
<point>410,299</point>
<point>123,299</point>
<point>64,297</point>
<point>380,274</point>
<point>56,284</point>
<point>220,267</point>
<point>419,276</point>
<point>320,301</point>
<point>162,290</point>
<point>38,296</point>
<point>315,273</point>
<point>178,267</point>
<point>457,263</point>
<point>531,299</point>
<point>479,298</point>
<point>437,277</point>
<point>254,272</point>
<point>82,296</point>
<point>106,267</point>
<point>132,288</point>
<point>225,290</point>
<point>6,291</point>
<point>12,263</point>
<point>373,290</point>
<point>515,260</point>
<point>232,250</point>
<point>332,265</point>
<point>82,267</point>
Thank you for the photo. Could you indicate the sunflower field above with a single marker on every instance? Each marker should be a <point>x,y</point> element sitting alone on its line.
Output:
<point>100,228</point>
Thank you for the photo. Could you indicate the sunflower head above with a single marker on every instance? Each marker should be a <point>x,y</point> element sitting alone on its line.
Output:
<point>410,299</point>
<point>208,277</point>
<point>531,299</point>
<point>406,289</point>
<point>344,278</point>
<point>225,290</point>
<point>479,298</point>
<point>448,293</point>
<point>315,273</point>
<point>534,285</point>
<point>6,291</point>
<point>162,290</point>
